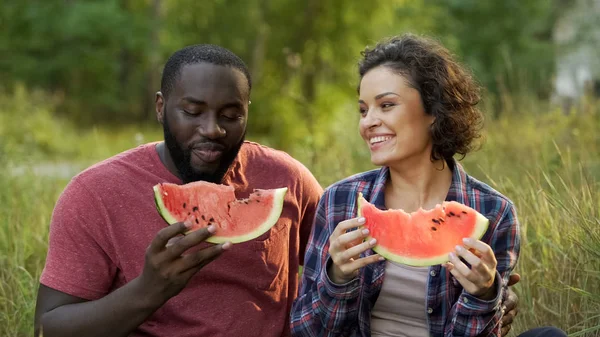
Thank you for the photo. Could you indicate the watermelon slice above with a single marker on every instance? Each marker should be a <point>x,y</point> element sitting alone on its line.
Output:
<point>205,203</point>
<point>424,237</point>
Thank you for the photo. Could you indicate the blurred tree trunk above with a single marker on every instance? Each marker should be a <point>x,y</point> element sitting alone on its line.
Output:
<point>310,48</point>
<point>153,72</point>
<point>260,44</point>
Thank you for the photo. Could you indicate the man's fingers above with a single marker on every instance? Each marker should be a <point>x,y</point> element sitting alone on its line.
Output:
<point>174,240</point>
<point>511,300</point>
<point>505,330</point>
<point>201,258</point>
<point>513,279</point>
<point>162,237</point>
<point>508,317</point>
<point>190,240</point>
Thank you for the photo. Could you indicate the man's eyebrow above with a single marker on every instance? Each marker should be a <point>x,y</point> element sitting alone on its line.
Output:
<point>193,100</point>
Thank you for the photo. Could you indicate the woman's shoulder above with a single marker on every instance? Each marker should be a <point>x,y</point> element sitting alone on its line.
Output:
<point>484,190</point>
<point>358,182</point>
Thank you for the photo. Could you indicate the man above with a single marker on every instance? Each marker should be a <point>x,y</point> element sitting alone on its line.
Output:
<point>115,269</point>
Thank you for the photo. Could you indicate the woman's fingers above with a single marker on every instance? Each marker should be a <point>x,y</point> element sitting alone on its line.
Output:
<point>477,265</point>
<point>354,252</point>
<point>355,265</point>
<point>484,251</point>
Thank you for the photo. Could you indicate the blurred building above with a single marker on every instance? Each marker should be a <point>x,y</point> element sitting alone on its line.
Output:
<point>577,40</point>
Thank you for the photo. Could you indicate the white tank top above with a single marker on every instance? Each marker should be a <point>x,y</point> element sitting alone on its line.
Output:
<point>400,308</point>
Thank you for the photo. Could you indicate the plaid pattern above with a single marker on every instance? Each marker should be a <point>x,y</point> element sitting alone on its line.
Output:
<point>327,309</point>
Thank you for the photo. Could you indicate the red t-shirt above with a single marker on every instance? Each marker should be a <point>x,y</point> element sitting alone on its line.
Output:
<point>106,218</point>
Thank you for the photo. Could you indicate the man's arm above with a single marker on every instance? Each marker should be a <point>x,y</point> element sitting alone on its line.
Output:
<point>166,272</point>
<point>116,314</point>
<point>510,305</point>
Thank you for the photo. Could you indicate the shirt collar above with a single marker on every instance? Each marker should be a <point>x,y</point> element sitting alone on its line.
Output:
<point>457,191</point>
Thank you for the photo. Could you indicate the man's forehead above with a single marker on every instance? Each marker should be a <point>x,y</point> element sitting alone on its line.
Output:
<point>205,78</point>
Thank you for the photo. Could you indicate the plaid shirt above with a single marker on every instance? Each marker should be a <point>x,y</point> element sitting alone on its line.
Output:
<point>327,309</point>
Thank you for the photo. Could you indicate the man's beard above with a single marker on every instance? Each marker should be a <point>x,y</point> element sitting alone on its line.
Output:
<point>182,159</point>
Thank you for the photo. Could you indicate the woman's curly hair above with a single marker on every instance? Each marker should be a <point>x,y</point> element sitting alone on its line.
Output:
<point>448,90</point>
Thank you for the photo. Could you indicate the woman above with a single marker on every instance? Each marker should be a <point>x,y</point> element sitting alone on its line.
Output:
<point>418,110</point>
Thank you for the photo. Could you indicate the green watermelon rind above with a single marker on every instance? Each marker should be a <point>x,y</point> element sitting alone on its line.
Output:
<point>276,209</point>
<point>160,206</point>
<point>481,225</point>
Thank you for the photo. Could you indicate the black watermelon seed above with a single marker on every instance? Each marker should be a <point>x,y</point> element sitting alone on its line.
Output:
<point>435,221</point>
<point>195,209</point>
<point>433,229</point>
<point>452,214</point>
<point>441,219</point>
<point>211,219</point>
<point>184,205</point>
<point>203,218</point>
<point>197,221</point>
<point>189,213</point>
<point>464,212</point>
<point>257,200</point>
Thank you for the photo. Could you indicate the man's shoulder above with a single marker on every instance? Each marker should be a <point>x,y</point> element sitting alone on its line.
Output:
<point>118,166</point>
<point>261,155</point>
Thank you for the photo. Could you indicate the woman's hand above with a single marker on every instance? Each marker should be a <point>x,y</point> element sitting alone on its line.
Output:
<point>345,249</point>
<point>479,279</point>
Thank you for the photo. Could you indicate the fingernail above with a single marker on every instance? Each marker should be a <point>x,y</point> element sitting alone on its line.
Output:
<point>452,255</point>
<point>361,220</point>
<point>459,248</point>
<point>372,242</point>
<point>365,231</point>
<point>188,223</point>
<point>226,245</point>
<point>211,228</point>
<point>468,241</point>
<point>381,258</point>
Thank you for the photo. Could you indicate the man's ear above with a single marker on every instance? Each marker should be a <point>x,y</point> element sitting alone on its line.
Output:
<point>160,107</point>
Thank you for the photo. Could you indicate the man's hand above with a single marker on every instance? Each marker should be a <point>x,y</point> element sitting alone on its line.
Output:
<point>167,269</point>
<point>510,305</point>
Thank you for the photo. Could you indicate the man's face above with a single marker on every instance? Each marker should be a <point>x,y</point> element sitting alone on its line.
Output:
<point>204,120</point>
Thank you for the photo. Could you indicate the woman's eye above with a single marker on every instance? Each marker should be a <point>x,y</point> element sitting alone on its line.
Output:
<point>387,105</point>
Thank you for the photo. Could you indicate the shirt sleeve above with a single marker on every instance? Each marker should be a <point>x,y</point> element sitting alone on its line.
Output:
<point>471,316</point>
<point>322,307</point>
<point>311,192</point>
<point>77,262</point>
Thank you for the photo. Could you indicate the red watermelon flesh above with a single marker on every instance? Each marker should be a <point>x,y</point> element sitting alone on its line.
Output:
<point>424,237</point>
<point>204,203</point>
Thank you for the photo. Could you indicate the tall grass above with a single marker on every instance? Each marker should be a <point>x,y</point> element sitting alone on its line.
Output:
<point>547,162</point>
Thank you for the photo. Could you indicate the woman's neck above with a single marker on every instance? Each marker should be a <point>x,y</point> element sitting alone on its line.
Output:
<point>417,183</point>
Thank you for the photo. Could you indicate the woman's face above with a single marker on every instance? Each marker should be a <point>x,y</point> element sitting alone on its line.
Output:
<point>393,121</point>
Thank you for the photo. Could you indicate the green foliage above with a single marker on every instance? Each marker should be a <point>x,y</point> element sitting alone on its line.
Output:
<point>30,132</point>
<point>92,53</point>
